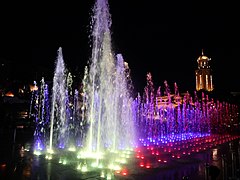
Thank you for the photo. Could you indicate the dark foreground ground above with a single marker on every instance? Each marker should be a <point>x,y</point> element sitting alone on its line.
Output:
<point>15,163</point>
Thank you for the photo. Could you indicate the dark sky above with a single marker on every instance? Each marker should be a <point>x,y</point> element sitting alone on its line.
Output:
<point>161,37</point>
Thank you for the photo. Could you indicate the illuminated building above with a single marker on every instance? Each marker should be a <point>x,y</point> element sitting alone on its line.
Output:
<point>203,74</point>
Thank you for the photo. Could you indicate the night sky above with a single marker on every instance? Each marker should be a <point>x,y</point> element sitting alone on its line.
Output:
<point>161,37</point>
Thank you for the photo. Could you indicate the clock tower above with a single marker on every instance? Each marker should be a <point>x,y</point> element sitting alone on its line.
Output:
<point>203,74</point>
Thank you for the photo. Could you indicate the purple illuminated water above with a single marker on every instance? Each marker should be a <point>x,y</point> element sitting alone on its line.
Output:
<point>171,117</point>
<point>42,116</point>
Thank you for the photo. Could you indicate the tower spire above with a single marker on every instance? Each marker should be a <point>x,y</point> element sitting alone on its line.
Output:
<point>203,74</point>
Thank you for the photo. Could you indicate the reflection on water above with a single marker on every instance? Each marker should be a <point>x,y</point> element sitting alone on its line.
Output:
<point>17,162</point>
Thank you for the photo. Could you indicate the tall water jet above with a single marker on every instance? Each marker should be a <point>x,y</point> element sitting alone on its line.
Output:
<point>124,135</point>
<point>58,109</point>
<point>109,104</point>
<point>70,109</point>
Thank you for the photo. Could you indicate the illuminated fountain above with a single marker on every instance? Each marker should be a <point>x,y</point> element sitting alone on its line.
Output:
<point>58,120</point>
<point>41,113</point>
<point>108,108</point>
<point>171,117</point>
<point>173,128</point>
<point>93,128</point>
<point>55,124</point>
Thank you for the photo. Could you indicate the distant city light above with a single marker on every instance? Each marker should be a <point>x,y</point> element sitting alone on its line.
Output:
<point>9,94</point>
<point>33,88</point>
